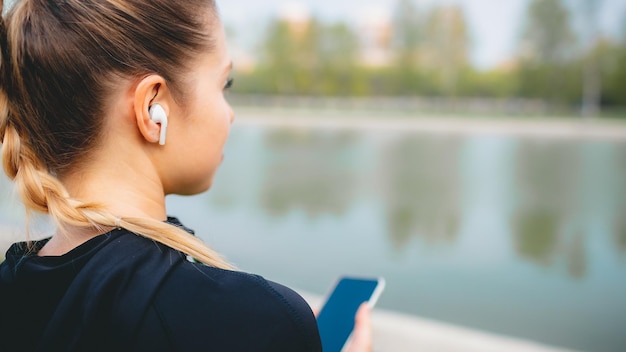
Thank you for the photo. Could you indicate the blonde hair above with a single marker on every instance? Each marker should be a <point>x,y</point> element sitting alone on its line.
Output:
<point>58,63</point>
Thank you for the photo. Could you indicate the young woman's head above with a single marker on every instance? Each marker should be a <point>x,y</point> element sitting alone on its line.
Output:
<point>77,80</point>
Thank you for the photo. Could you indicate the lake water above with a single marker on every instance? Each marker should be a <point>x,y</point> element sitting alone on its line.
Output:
<point>517,236</point>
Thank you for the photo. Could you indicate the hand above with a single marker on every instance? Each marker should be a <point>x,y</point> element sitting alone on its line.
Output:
<point>361,340</point>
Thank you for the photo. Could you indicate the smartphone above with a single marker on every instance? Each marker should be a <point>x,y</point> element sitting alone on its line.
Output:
<point>336,319</point>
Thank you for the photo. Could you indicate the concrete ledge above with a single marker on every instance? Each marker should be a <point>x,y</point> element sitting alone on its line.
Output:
<point>399,332</point>
<point>567,128</point>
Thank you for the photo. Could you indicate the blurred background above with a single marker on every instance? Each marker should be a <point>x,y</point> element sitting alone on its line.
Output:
<point>472,152</point>
<point>565,56</point>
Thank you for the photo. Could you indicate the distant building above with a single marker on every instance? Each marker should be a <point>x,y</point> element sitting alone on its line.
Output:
<point>298,16</point>
<point>375,30</point>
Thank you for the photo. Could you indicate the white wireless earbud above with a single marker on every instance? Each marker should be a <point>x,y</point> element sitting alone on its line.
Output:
<point>158,115</point>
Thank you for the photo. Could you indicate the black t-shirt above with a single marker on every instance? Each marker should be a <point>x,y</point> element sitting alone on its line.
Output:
<point>123,292</point>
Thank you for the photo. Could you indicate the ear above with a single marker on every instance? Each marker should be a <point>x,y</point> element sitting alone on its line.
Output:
<point>150,90</point>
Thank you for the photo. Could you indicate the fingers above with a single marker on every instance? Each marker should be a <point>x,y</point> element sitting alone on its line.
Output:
<point>362,335</point>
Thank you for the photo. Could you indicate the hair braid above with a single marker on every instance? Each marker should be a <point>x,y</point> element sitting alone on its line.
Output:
<point>40,191</point>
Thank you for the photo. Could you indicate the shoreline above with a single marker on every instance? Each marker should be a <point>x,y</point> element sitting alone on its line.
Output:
<point>548,128</point>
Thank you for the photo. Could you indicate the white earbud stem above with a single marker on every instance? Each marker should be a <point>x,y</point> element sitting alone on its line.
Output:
<point>158,115</point>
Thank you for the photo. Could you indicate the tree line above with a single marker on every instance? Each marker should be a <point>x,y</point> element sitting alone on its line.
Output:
<point>428,56</point>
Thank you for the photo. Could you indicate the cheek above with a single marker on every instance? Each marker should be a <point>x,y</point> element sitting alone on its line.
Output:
<point>211,138</point>
<point>208,130</point>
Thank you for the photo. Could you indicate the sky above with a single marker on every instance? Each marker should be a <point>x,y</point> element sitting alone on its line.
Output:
<point>495,25</point>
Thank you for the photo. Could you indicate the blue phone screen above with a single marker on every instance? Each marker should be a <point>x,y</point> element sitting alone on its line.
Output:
<point>336,320</point>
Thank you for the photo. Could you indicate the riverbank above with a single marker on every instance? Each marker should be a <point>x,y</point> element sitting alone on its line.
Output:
<point>396,332</point>
<point>535,127</point>
<point>412,105</point>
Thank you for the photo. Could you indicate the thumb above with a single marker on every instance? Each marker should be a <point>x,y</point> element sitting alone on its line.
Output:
<point>362,335</point>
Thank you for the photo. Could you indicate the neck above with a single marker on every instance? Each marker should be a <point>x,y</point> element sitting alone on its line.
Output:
<point>126,188</point>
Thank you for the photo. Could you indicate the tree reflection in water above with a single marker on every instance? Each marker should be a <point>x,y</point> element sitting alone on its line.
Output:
<point>577,256</point>
<point>555,195</point>
<point>309,170</point>
<point>418,181</point>
<point>549,181</point>
<point>620,235</point>
<point>569,192</point>
<point>536,235</point>
<point>619,227</point>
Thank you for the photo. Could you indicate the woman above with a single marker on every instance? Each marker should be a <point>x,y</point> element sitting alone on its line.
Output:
<point>107,106</point>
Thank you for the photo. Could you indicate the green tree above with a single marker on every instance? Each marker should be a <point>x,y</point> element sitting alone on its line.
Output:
<point>445,47</point>
<point>311,58</point>
<point>603,63</point>
<point>592,75</point>
<point>548,35</point>
<point>338,48</point>
<point>548,47</point>
<point>406,35</point>
<point>613,71</point>
<point>279,49</point>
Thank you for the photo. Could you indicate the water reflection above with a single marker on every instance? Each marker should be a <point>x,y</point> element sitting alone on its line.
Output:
<point>569,194</point>
<point>536,235</point>
<point>418,185</point>
<point>539,237</point>
<point>309,171</point>
<point>546,225</point>
<point>620,235</point>
<point>577,256</point>
<point>550,199</point>
<point>617,189</point>
<point>543,199</point>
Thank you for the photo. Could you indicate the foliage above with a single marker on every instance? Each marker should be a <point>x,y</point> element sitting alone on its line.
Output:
<point>547,70</point>
<point>430,57</point>
<point>548,36</point>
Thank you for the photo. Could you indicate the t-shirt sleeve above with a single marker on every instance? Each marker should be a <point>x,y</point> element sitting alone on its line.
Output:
<point>301,314</point>
<point>203,308</point>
